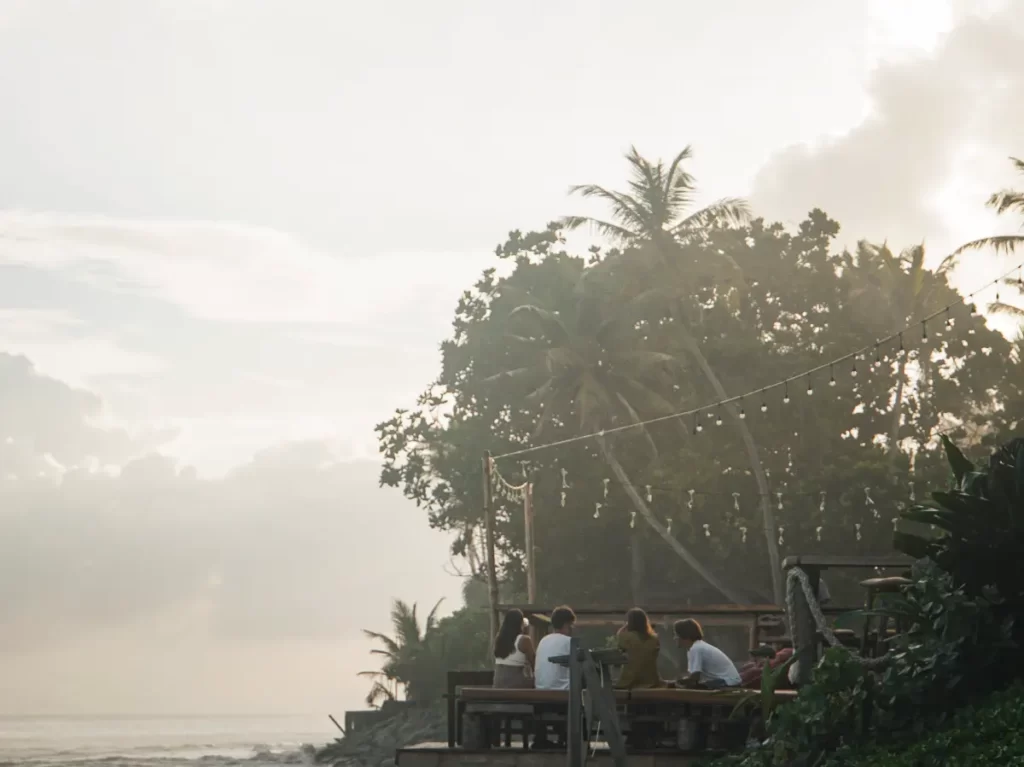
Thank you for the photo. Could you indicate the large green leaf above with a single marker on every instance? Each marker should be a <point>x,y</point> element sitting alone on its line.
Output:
<point>958,462</point>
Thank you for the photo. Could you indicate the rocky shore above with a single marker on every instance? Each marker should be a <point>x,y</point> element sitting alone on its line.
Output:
<point>376,746</point>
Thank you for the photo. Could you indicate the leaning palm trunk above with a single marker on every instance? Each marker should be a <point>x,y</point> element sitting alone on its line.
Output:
<point>754,457</point>
<point>645,512</point>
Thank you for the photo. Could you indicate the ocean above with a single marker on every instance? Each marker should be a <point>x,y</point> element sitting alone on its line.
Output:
<point>149,741</point>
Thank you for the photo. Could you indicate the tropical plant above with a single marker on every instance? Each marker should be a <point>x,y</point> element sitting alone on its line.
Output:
<point>1003,201</point>
<point>654,213</point>
<point>408,657</point>
<point>982,523</point>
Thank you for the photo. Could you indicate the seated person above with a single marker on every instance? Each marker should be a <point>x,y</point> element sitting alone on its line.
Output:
<point>706,665</point>
<point>548,675</point>
<point>513,653</point>
<point>641,645</point>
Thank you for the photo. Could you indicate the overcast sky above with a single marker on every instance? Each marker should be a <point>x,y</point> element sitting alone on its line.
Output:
<point>226,225</point>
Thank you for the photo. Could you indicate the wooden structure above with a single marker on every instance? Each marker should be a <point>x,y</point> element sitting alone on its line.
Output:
<point>805,632</point>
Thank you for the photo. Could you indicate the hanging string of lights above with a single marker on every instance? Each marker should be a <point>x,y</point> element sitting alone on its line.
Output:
<point>699,414</point>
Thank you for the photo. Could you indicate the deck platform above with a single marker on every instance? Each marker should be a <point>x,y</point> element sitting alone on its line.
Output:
<point>439,755</point>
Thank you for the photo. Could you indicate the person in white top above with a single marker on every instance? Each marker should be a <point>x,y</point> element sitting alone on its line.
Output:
<point>548,675</point>
<point>706,665</point>
<point>513,653</point>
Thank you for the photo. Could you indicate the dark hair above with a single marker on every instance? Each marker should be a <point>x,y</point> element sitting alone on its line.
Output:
<point>561,617</point>
<point>638,623</point>
<point>688,629</point>
<point>511,628</point>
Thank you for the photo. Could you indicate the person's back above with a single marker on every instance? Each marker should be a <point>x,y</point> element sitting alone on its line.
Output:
<point>706,665</point>
<point>548,675</point>
<point>641,646</point>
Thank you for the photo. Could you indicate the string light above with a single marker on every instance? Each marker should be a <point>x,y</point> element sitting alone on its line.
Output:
<point>736,501</point>
<point>857,527</point>
<point>649,497</point>
<point>597,510</point>
<point>778,497</point>
<point>831,375</point>
<point>697,427</point>
<point>817,532</point>
<point>707,530</point>
<point>632,520</point>
<point>743,534</point>
<point>782,535</point>
<point>821,506</point>
<point>785,397</point>
<point>668,526</point>
<point>897,336</point>
<point>605,482</point>
<point>810,386</point>
<point>718,416</point>
<point>853,368</point>
<point>974,308</point>
<point>689,504</point>
<point>924,331</point>
<point>949,320</point>
<point>743,413</point>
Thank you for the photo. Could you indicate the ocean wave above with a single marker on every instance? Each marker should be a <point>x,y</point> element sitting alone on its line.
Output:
<point>173,756</point>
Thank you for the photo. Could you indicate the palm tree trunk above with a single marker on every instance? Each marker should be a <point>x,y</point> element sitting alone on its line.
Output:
<point>754,457</point>
<point>677,547</point>
<point>897,414</point>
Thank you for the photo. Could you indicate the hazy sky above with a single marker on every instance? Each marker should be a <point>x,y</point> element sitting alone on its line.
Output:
<point>233,224</point>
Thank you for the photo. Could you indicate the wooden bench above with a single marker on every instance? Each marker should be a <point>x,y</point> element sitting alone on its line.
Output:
<point>493,717</point>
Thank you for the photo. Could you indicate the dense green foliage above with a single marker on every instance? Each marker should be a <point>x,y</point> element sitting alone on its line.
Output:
<point>988,734</point>
<point>551,344</point>
<point>961,611</point>
<point>417,657</point>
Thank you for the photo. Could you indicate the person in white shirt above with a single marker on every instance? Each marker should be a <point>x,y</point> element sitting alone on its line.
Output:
<point>706,665</point>
<point>548,675</point>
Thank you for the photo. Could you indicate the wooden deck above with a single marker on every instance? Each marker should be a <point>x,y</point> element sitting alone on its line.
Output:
<point>439,755</point>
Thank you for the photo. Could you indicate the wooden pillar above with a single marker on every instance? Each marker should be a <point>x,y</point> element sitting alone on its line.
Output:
<point>531,551</point>
<point>573,731</point>
<point>492,570</point>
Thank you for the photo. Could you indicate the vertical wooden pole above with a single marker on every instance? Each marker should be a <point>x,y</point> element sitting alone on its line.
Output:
<point>492,570</point>
<point>531,551</point>
<point>573,731</point>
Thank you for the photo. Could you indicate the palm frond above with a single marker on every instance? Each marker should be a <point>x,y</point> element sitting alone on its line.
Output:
<point>1005,244</point>
<point>1006,200</point>
<point>679,184</point>
<point>390,644</point>
<point>729,211</point>
<point>613,231</point>
<point>405,622</point>
<point>548,323</point>
<point>431,622</point>
<point>1001,307</point>
<point>625,209</point>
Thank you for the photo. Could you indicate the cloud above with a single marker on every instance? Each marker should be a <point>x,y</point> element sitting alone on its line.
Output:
<point>889,177</point>
<point>220,271</point>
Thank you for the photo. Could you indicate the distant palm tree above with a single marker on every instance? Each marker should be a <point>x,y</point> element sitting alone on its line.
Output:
<point>408,657</point>
<point>1004,201</point>
<point>894,289</point>
<point>589,363</point>
<point>656,212</point>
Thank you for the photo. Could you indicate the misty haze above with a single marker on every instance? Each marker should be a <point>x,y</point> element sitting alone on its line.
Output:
<point>275,275</point>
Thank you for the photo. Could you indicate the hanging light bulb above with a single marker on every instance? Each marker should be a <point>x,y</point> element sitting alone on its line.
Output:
<point>736,501</point>
<point>857,527</point>
<point>707,531</point>
<point>764,405</point>
<point>878,356</point>
<point>605,483</point>
<point>782,535</point>
<point>689,503</point>
<point>743,413</point>
<point>924,330</point>
<point>648,496</point>
<point>785,396</point>
<point>718,416</point>
<point>853,367</point>
<point>902,350</point>
<point>817,532</point>
<point>697,427</point>
<point>632,520</point>
<point>563,499</point>
<point>597,510</point>
<point>949,319</point>
<point>974,309</point>
<point>831,375</point>
<point>743,534</point>
<point>778,496</point>
<point>668,527</point>
<point>810,386</point>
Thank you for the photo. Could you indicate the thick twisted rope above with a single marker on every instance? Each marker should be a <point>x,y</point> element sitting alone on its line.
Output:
<point>797,577</point>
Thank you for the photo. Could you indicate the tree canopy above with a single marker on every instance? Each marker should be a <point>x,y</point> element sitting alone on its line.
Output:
<point>552,345</point>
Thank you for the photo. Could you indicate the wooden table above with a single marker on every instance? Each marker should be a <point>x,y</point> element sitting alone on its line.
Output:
<point>813,565</point>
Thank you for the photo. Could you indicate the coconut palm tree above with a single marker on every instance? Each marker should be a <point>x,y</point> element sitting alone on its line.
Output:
<point>656,211</point>
<point>1004,201</point>
<point>408,657</point>
<point>896,289</point>
<point>590,363</point>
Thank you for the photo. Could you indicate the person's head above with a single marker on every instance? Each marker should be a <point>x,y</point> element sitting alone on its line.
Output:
<point>562,620</point>
<point>687,632</point>
<point>512,626</point>
<point>638,623</point>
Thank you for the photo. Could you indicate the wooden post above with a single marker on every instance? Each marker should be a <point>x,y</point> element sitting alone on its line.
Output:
<point>492,570</point>
<point>573,732</point>
<point>531,551</point>
<point>805,633</point>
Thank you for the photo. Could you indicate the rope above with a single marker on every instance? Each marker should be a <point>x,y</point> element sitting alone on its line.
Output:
<point>797,577</point>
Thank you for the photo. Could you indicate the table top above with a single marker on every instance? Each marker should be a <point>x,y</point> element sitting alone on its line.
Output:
<point>825,561</point>
<point>603,657</point>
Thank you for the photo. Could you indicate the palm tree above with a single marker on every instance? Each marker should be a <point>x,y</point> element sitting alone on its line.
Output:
<point>1007,200</point>
<point>592,364</point>
<point>656,211</point>
<point>895,290</point>
<point>409,657</point>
